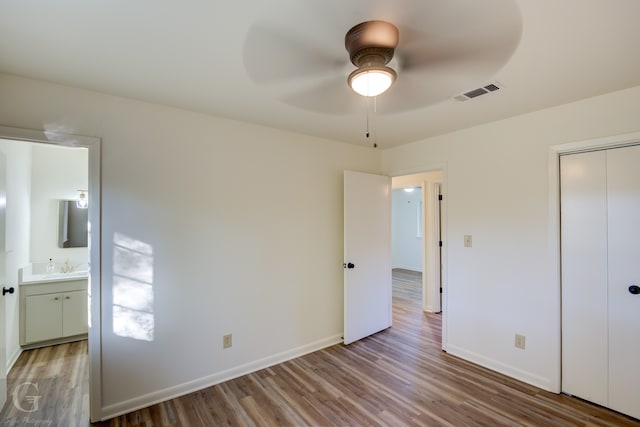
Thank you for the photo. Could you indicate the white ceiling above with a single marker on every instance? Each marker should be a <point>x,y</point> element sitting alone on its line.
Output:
<point>282,63</point>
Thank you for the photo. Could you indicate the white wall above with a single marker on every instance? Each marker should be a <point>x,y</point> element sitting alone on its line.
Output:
<point>497,190</point>
<point>57,174</point>
<point>209,227</point>
<point>406,244</point>
<point>18,188</point>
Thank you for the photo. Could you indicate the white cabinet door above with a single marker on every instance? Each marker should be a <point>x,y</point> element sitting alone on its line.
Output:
<point>367,252</point>
<point>74,313</point>
<point>44,317</point>
<point>623,193</point>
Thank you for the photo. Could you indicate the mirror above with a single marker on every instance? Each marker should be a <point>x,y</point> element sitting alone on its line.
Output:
<point>72,225</point>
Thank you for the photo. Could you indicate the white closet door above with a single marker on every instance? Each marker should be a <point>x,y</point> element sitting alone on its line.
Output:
<point>584,275</point>
<point>623,193</point>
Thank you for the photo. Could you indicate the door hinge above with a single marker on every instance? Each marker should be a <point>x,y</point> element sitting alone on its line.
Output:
<point>440,243</point>
<point>439,196</point>
<point>440,289</point>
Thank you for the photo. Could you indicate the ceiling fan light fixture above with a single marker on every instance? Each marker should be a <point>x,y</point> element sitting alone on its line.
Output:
<point>371,80</point>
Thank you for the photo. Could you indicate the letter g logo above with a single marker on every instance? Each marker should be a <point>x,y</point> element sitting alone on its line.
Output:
<point>32,400</point>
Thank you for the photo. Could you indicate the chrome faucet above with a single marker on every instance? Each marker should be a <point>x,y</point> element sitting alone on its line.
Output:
<point>67,268</point>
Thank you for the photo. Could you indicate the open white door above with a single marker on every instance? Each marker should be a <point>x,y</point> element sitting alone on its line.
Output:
<point>367,254</point>
<point>3,280</point>
<point>3,344</point>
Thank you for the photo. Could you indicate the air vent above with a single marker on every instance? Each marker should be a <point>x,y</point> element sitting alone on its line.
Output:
<point>491,87</point>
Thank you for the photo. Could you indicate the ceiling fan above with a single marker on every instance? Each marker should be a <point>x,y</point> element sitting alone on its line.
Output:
<point>429,53</point>
<point>371,46</point>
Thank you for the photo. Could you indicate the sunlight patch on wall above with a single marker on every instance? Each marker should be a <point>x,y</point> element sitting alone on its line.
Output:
<point>133,315</point>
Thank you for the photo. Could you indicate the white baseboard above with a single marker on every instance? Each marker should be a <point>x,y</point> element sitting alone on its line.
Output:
<point>169,393</point>
<point>13,359</point>
<point>431,309</point>
<point>510,371</point>
<point>407,267</point>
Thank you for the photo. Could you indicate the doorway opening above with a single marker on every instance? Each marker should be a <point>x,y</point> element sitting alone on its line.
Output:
<point>37,200</point>
<point>407,248</point>
<point>416,235</point>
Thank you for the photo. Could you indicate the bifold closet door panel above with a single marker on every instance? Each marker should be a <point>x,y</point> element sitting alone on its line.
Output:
<point>623,194</point>
<point>583,212</point>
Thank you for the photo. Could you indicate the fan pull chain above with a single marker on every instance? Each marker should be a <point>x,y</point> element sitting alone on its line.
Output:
<point>373,121</point>
<point>367,134</point>
<point>375,111</point>
<point>367,131</point>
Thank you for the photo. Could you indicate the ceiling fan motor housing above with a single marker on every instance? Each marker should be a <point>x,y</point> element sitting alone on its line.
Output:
<point>371,43</point>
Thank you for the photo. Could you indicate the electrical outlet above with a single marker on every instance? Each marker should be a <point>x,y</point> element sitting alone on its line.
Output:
<point>468,241</point>
<point>520,341</point>
<point>226,341</point>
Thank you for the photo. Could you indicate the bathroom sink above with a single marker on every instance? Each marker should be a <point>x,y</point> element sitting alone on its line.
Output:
<point>54,277</point>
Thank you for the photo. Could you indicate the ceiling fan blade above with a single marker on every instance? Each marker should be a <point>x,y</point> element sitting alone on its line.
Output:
<point>491,39</point>
<point>411,93</point>
<point>424,57</point>
<point>436,67</point>
<point>272,55</point>
<point>421,84</point>
<point>331,96</point>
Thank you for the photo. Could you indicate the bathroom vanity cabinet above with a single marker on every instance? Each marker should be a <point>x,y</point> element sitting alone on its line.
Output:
<point>53,311</point>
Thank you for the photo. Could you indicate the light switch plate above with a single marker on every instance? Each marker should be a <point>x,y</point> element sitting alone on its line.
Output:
<point>520,341</point>
<point>227,341</point>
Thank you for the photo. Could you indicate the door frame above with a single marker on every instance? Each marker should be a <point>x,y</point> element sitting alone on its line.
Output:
<point>430,254</point>
<point>437,221</point>
<point>555,262</point>
<point>95,252</point>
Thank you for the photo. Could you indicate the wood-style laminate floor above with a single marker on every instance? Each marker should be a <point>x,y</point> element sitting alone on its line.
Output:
<point>398,377</point>
<point>49,386</point>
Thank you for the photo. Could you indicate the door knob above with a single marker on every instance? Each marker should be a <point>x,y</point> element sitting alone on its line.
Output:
<point>7,291</point>
<point>634,289</point>
<point>349,265</point>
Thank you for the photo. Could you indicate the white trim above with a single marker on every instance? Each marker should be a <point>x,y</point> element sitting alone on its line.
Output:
<point>407,267</point>
<point>168,393</point>
<point>47,137</point>
<point>497,366</point>
<point>13,360</point>
<point>444,259</point>
<point>553,261</point>
<point>95,335</point>
<point>434,244</point>
<point>420,217</point>
<point>555,152</point>
<point>597,143</point>
<point>427,234</point>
